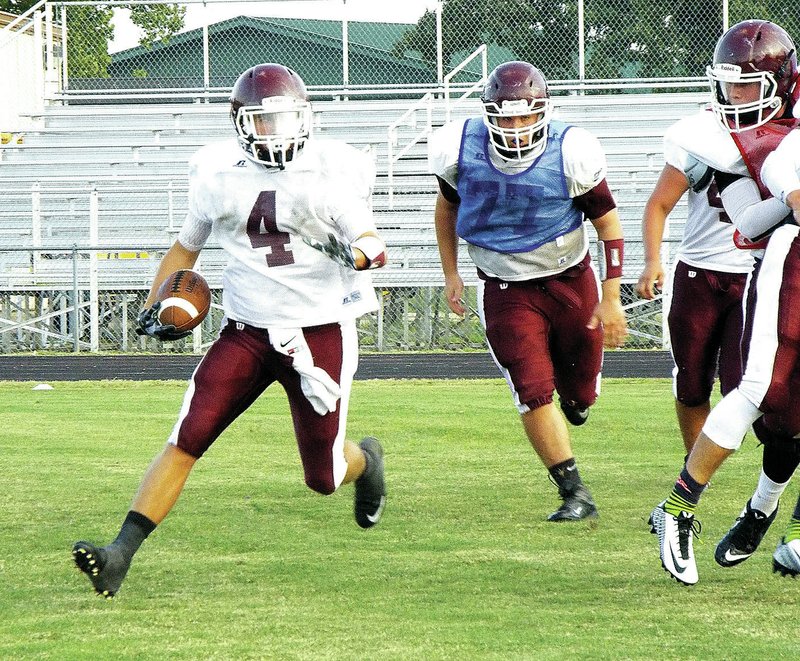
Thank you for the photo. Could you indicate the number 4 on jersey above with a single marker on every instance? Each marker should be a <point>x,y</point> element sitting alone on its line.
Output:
<point>262,229</point>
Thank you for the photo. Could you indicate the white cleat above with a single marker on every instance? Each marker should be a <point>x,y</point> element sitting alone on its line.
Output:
<point>675,543</point>
<point>786,559</point>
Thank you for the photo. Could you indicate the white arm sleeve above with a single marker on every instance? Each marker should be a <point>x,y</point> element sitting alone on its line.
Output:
<point>781,169</point>
<point>751,215</point>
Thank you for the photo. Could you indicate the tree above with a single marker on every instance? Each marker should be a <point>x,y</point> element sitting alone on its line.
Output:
<point>158,22</point>
<point>623,38</point>
<point>543,32</point>
<point>16,6</point>
<point>659,41</point>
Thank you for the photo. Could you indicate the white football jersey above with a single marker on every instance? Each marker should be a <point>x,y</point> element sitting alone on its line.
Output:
<point>708,234</point>
<point>259,215</point>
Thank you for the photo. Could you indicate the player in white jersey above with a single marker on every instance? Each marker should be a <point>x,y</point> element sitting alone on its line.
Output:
<point>773,379</point>
<point>293,214</point>
<point>781,172</point>
<point>705,291</point>
<point>517,186</point>
<point>754,79</point>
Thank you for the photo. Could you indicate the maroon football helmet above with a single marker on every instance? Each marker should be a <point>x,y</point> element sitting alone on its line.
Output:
<point>517,89</point>
<point>272,114</point>
<point>757,52</point>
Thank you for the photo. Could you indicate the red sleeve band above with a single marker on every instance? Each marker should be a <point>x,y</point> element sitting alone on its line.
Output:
<point>610,256</point>
<point>596,202</point>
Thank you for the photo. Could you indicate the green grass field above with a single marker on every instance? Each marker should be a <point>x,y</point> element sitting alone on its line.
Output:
<point>253,565</point>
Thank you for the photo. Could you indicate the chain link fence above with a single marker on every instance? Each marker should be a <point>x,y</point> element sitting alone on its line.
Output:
<point>196,48</point>
<point>85,302</point>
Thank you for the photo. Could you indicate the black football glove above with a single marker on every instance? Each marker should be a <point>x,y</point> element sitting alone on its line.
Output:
<point>147,324</point>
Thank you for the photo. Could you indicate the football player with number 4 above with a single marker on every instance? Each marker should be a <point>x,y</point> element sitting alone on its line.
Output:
<point>517,185</point>
<point>293,215</point>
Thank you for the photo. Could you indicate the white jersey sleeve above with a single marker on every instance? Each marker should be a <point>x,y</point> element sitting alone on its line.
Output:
<point>781,169</point>
<point>698,174</point>
<point>584,161</point>
<point>195,230</point>
<point>701,136</point>
<point>194,233</point>
<point>444,146</point>
<point>351,208</point>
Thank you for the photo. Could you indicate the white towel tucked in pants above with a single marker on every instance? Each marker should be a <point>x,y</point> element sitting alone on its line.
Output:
<point>318,387</point>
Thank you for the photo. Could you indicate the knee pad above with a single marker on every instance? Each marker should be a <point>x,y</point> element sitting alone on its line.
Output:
<point>730,420</point>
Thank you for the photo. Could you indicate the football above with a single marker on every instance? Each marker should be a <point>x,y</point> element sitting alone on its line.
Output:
<point>185,300</point>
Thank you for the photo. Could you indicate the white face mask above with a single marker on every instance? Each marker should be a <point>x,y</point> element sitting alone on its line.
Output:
<point>274,132</point>
<point>738,117</point>
<point>525,141</point>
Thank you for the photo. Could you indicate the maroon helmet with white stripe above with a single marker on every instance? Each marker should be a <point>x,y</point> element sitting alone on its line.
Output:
<point>759,53</point>
<point>271,112</point>
<point>517,89</point>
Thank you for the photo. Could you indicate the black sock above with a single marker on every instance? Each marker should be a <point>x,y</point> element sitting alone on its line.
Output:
<point>685,495</point>
<point>565,474</point>
<point>780,461</point>
<point>134,531</point>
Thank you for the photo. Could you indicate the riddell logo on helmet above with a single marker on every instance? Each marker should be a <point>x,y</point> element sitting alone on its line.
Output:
<point>515,106</point>
<point>727,68</point>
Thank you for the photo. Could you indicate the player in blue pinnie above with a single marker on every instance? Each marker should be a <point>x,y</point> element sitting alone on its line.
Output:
<point>293,214</point>
<point>517,185</point>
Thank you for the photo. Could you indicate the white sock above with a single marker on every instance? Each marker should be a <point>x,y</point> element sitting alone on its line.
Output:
<point>765,499</point>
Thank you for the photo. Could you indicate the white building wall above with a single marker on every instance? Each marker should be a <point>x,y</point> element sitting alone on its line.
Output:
<point>21,75</point>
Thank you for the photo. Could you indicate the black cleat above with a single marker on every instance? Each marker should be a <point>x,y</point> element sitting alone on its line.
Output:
<point>105,567</point>
<point>577,505</point>
<point>370,492</point>
<point>742,540</point>
<point>575,415</point>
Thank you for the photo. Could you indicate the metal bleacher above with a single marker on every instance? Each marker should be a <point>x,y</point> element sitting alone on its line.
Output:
<point>127,165</point>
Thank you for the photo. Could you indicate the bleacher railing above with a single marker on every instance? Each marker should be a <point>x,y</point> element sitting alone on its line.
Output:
<point>472,87</point>
<point>85,298</point>
<point>409,118</point>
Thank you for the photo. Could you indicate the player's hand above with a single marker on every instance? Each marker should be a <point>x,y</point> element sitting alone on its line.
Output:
<point>793,202</point>
<point>611,317</point>
<point>339,251</point>
<point>651,279</point>
<point>147,324</point>
<point>454,293</point>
